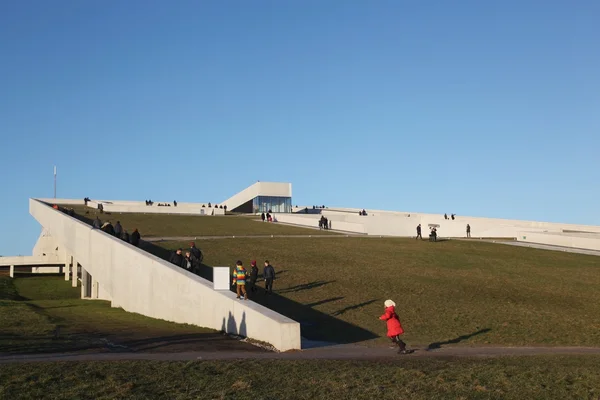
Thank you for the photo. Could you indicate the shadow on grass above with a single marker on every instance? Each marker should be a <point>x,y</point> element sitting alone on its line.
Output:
<point>437,345</point>
<point>305,286</point>
<point>354,307</point>
<point>314,324</point>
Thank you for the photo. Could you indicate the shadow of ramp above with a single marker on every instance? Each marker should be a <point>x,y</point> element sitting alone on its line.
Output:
<point>316,327</point>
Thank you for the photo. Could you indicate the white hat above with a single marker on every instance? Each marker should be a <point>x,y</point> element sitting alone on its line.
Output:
<point>389,303</point>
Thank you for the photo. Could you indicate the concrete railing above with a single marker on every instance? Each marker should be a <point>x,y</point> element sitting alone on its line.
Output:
<point>140,282</point>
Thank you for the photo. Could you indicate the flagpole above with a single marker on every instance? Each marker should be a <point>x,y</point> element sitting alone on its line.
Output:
<point>55,181</point>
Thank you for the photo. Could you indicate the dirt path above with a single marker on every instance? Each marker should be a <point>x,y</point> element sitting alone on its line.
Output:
<point>342,352</point>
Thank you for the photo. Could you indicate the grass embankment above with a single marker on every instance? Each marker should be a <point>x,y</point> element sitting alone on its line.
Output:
<point>161,225</point>
<point>453,291</point>
<point>41,314</point>
<point>550,377</point>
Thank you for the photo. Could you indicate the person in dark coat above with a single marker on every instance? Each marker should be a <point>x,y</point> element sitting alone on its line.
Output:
<point>108,228</point>
<point>135,238</point>
<point>177,258</point>
<point>253,277</point>
<point>394,327</point>
<point>118,229</point>
<point>263,216</point>
<point>125,236</point>
<point>196,257</point>
<point>419,232</point>
<point>269,275</point>
<point>468,230</point>
<point>187,261</point>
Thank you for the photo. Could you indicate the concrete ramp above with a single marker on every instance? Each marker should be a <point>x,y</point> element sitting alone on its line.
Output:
<point>139,282</point>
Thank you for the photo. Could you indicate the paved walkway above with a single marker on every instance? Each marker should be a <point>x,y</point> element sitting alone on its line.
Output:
<point>549,247</point>
<point>185,238</point>
<point>341,352</point>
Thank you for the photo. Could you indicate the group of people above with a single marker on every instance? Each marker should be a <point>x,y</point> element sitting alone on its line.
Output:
<point>362,213</point>
<point>118,231</point>
<point>267,217</point>
<point>451,216</point>
<point>324,223</point>
<point>433,233</point>
<point>241,276</point>
<point>191,261</point>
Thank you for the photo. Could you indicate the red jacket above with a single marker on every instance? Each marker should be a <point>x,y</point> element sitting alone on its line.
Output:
<point>393,322</point>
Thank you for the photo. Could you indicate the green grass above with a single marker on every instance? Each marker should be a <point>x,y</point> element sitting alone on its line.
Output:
<point>468,292</point>
<point>550,377</point>
<point>47,315</point>
<point>157,225</point>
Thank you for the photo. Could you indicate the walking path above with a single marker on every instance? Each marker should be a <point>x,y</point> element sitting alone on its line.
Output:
<point>339,352</point>
<point>185,238</point>
<point>550,247</point>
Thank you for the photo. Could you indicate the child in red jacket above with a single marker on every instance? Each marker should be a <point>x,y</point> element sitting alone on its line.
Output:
<point>394,328</point>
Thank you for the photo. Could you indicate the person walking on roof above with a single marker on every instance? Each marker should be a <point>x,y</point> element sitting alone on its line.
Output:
<point>239,280</point>
<point>394,327</point>
<point>118,229</point>
<point>269,275</point>
<point>253,277</point>
<point>135,238</point>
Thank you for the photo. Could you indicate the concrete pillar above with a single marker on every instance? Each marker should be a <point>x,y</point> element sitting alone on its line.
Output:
<point>67,267</point>
<point>74,273</point>
<point>11,271</point>
<point>84,283</point>
<point>94,293</point>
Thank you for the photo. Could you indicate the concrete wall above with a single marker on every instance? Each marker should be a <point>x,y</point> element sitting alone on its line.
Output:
<point>258,189</point>
<point>392,223</point>
<point>312,220</point>
<point>141,207</point>
<point>140,282</point>
<point>579,241</point>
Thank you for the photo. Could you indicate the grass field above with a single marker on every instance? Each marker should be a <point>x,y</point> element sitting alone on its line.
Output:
<point>45,314</point>
<point>453,291</point>
<point>549,377</point>
<point>153,225</point>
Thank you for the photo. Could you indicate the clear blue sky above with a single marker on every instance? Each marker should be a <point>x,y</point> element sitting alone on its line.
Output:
<point>470,107</point>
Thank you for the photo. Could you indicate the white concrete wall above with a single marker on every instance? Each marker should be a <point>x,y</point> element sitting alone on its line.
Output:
<point>579,241</point>
<point>72,202</point>
<point>141,207</point>
<point>313,221</point>
<point>140,282</point>
<point>258,189</point>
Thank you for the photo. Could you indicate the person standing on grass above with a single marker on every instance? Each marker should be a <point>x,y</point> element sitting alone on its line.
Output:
<point>262,216</point>
<point>239,280</point>
<point>118,229</point>
<point>468,230</point>
<point>253,277</point>
<point>419,233</point>
<point>269,275</point>
<point>135,238</point>
<point>394,327</point>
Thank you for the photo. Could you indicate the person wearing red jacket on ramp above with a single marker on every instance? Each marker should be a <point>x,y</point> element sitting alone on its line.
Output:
<point>394,328</point>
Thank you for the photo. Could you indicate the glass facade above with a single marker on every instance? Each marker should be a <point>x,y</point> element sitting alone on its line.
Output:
<point>274,204</point>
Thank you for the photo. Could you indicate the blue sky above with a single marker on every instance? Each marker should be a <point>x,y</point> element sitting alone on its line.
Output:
<point>468,107</point>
